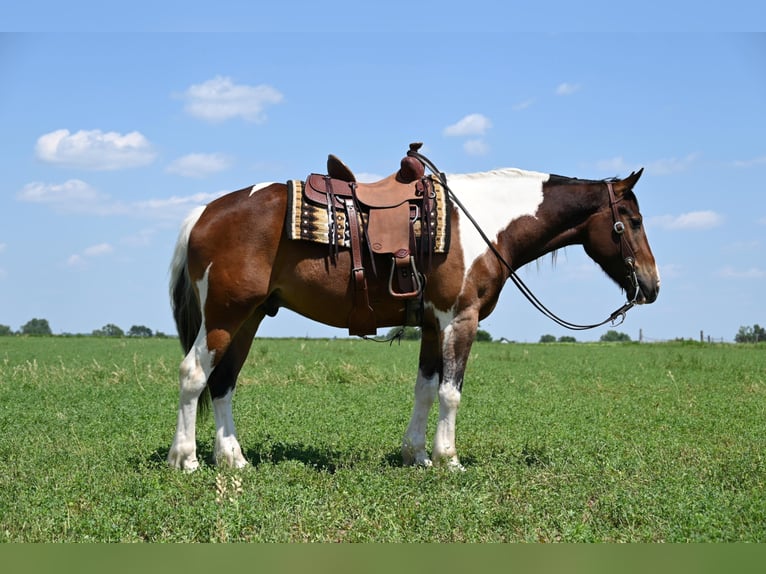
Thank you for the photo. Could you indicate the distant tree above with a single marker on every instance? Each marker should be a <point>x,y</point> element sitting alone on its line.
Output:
<point>548,339</point>
<point>36,327</point>
<point>5,330</point>
<point>139,331</point>
<point>754,334</point>
<point>614,336</point>
<point>109,330</point>
<point>482,335</point>
<point>567,339</point>
<point>407,333</point>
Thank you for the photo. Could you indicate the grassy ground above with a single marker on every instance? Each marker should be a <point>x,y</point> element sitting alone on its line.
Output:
<point>561,442</point>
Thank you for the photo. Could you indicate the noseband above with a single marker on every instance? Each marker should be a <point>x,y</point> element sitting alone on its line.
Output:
<point>626,251</point>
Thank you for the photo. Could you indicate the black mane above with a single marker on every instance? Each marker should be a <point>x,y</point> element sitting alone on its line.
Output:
<point>563,179</point>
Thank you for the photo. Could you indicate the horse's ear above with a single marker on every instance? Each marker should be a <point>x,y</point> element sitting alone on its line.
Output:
<point>627,184</point>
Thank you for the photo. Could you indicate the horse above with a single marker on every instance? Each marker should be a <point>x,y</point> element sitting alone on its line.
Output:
<point>234,264</point>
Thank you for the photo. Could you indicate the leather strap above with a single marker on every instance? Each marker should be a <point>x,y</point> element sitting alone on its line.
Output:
<point>361,320</point>
<point>628,256</point>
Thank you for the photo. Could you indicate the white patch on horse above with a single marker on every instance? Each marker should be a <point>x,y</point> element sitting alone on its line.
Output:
<point>443,318</point>
<point>193,375</point>
<point>227,449</point>
<point>494,199</point>
<point>414,441</point>
<point>445,450</point>
<point>178,262</point>
<point>259,186</point>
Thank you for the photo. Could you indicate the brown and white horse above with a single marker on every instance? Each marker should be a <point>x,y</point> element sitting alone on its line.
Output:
<point>234,264</point>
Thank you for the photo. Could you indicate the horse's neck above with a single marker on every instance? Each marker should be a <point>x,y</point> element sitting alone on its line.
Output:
<point>559,221</point>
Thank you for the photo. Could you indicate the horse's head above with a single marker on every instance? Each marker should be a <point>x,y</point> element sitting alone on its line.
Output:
<point>616,240</point>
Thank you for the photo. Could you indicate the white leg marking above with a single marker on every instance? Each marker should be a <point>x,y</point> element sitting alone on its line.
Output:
<point>414,441</point>
<point>192,375</point>
<point>227,449</point>
<point>445,451</point>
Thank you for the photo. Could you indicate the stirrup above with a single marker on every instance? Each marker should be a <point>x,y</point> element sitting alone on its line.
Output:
<point>415,277</point>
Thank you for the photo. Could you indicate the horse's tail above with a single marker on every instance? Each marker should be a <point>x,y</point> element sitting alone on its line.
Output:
<point>183,300</point>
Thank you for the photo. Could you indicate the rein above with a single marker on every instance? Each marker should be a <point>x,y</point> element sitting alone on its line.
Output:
<point>616,318</point>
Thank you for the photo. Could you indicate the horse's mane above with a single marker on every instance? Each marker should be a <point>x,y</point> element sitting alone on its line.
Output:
<point>563,179</point>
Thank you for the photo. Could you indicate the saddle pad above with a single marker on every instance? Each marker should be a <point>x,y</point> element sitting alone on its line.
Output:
<point>308,220</point>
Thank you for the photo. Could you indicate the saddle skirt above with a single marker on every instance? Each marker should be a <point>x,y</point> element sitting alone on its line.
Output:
<point>308,217</point>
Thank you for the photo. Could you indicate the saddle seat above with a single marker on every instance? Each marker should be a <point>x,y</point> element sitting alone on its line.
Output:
<point>410,169</point>
<point>382,216</point>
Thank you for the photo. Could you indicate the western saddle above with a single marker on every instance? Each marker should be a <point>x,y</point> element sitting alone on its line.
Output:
<point>381,215</point>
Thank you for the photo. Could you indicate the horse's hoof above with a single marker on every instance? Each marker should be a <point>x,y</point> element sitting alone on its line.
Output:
<point>186,465</point>
<point>186,461</point>
<point>231,458</point>
<point>423,462</point>
<point>450,463</point>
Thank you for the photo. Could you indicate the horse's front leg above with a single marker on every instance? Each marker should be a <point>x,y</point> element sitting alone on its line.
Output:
<point>414,441</point>
<point>426,387</point>
<point>457,338</point>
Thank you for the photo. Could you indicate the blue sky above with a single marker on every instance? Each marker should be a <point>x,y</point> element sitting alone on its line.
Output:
<point>116,126</point>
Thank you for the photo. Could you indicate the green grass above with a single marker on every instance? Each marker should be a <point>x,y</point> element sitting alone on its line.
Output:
<point>561,442</point>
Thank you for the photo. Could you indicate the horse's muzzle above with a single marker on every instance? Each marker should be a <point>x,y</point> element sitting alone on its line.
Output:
<point>648,289</point>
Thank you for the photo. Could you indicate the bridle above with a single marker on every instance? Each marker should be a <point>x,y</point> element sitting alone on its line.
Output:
<point>628,256</point>
<point>625,248</point>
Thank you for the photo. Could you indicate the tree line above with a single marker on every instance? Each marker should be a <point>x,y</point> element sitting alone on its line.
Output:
<point>41,327</point>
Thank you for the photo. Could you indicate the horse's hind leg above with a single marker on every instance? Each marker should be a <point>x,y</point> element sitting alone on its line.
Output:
<point>228,451</point>
<point>193,374</point>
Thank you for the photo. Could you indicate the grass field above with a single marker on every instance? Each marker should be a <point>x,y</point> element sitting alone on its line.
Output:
<point>561,442</point>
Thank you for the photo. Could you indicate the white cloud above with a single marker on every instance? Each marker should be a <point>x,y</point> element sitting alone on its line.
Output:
<point>73,191</point>
<point>523,105</point>
<point>476,147</point>
<point>97,250</point>
<point>470,125</point>
<point>141,238</point>
<point>221,99</point>
<point>691,220</point>
<point>743,246</point>
<point>367,177</point>
<point>750,162</point>
<point>613,165</point>
<point>175,201</point>
<point>76,196</point>
<point>751,273</point>
<point>79,260</point>
<point>75,261</point>
<point>671,165</point>
<point>199,164</point>
<point>95,149</point>
<point>567,89</point>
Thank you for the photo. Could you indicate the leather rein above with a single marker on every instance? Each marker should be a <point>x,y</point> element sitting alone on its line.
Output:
<point>628,256</point>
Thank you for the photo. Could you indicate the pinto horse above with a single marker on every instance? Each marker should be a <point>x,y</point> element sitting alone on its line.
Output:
<point>234,264</point>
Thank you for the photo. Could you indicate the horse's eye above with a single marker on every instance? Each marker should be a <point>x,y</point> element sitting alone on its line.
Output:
<point>635,223</point>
